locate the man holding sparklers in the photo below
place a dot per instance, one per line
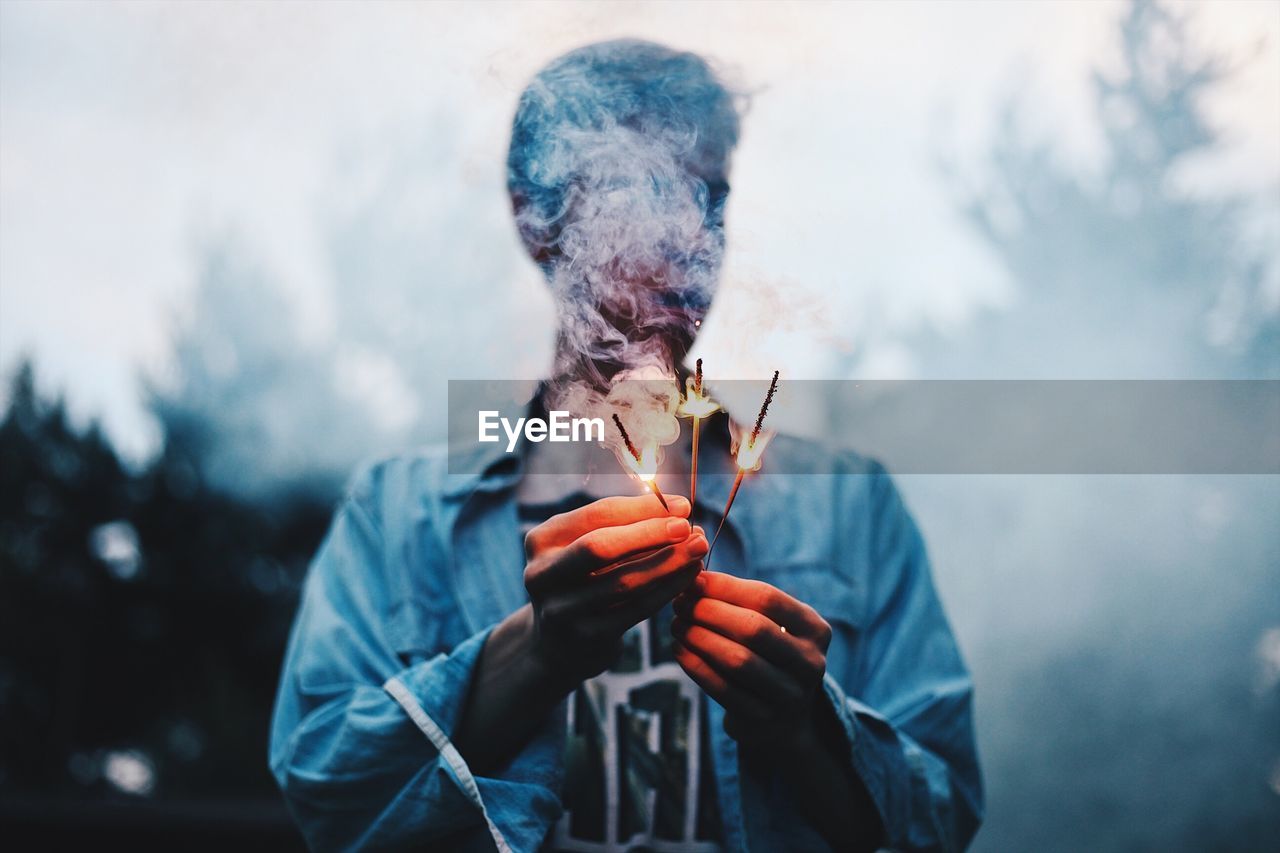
(598, 690)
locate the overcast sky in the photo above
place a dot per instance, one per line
(129, 131)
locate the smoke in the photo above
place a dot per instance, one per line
(1114, 625)
(617, 172)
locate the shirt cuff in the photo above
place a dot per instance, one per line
(518, 802)
(874, 751)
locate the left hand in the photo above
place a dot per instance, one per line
(758, 652)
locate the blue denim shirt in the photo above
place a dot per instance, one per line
(420, 564)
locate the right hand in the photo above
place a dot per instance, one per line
(594, 572)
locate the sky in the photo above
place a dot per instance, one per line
(132, 132)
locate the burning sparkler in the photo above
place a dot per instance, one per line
(696, 405)
(646, 464)
(748, 458)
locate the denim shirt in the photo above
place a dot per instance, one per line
(420, 564)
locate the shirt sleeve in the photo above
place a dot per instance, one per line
(908, 717)
(360, 744)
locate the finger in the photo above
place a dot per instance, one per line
(755, 631)
(629, 579)
(597, 550)
(560, 530)
(733, 699)
(794, 615)
(690, 548)
(738, 665)
(633, 579)
(647, 603)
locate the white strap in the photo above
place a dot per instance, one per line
(452, 758)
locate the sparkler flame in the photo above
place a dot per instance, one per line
(749, 453)
(696, 404)
(643, 465)
(644, 468)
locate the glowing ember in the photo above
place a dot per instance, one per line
(626, 439)
(764, 410)
(696, 404)
(698, 407)
(749, 454)
(643, 465)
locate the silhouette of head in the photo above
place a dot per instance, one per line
(618, 173)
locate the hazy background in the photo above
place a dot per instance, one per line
(243, 246)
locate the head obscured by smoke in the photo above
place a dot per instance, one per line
(618, 173)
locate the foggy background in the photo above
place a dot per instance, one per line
(244, 246)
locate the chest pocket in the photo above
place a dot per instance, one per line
(424, 619)
(835, 598)
(418, 631)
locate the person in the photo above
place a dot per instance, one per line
(598, 690)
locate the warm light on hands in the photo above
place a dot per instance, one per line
(730, 640)
(594, 572)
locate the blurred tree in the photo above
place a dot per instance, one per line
(1124, 271)
(142, 620)
(248, 406)
(1128, 724)
(418, 297)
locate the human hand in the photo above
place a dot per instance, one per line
(594, 572)
(758, 652)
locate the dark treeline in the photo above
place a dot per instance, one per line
(142, 620)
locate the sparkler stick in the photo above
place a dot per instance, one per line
(733, 493)
(693, 467)
(650, 481)
(748, 458)
(696, 405)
